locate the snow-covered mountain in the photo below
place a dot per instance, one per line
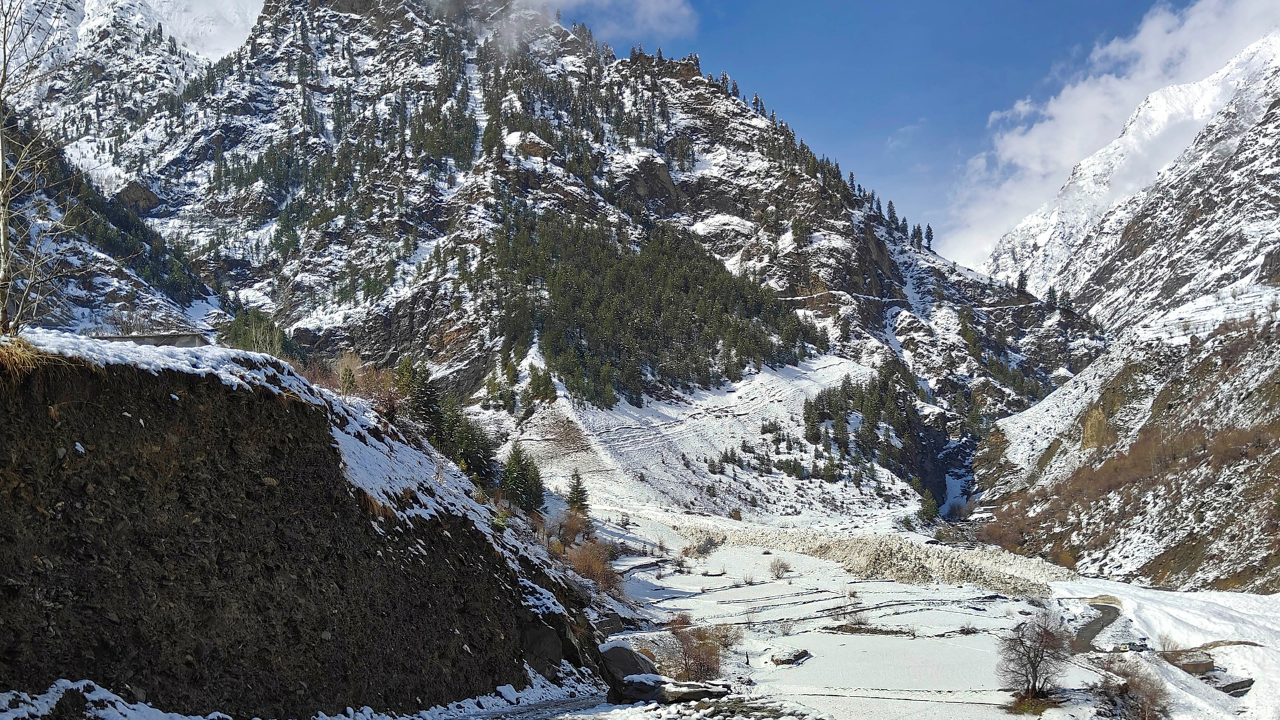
(1179, 206)
(1158, 462)
(397, 180)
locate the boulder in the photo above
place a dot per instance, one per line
(656, 688)
(1195, 662)
(138, 198)
(621, 661)
(790, 657)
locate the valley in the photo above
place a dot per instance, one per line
(433, 359)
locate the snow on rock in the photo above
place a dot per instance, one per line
(1122, 217)
(375, 458)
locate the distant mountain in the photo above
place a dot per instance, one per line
(1181, 205)
(1159, 462)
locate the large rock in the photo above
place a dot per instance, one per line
(632, 677)
(656, 688)
(790, 657)
(621, 661)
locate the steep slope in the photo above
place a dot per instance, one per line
(460, 182)
(85, 262)
(1157, 464)
(1198, 215)
(213, 533)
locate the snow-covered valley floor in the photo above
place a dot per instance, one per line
(929, 651)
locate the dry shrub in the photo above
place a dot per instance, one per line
(17, 358)
(372, 507)
(702, 548)
(779, 568)
(568, 526)
(1137, 692)
(687, 652)
(320, 375)
(591, 561)
(1144, 467)
(726, 636)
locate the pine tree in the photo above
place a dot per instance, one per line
(1022, 283)
(577, 497)
(928, 507)
(893, 215)
(522, 482)
(928, 236)
(347, 381)
(1052, 298)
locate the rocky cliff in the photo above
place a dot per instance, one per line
(207, 532)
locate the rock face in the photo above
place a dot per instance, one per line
(177, 540)
(1151, 464)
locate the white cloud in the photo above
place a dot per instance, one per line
(628, 19)
(1034, 145)
(904, 135)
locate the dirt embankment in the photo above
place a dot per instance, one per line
(198, 547)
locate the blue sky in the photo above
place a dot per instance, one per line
(903, 92)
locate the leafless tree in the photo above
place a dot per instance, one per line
(1034, 655)
(28, 231)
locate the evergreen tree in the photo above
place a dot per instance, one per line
(577, 497)
(928, 507)
(522, 482)
(424, 401)
(1052, 298)
(840, 433)
(928, 236)
(1022, 282)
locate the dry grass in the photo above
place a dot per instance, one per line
(591, 561)
(18, 358)
(372, 507)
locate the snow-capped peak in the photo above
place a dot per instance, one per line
(1109, 185)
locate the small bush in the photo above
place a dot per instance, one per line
(687, 652)
(591, 561)
(779, 568)
(1135, 691)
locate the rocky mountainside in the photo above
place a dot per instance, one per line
(1186, 195)
(1158, 462)
(212, 533)
(460, 182)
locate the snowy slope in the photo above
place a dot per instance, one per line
(1158, 462)
(206, 29)
(1117, 222)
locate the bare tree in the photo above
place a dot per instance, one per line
(1034, 655)
(28, 231)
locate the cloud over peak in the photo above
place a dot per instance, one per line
(1035, 144)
